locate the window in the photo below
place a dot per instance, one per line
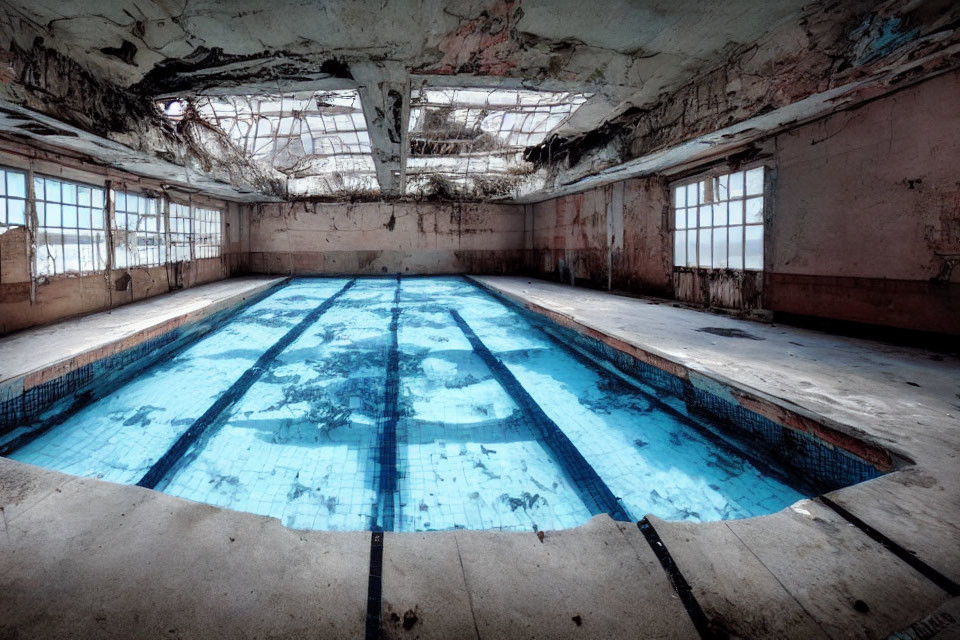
(206, 233)
(138, 232)
(13, 198)
(71, 233)
(181, 235)
(718, 222)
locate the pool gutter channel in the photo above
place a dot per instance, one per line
(386, 516)
(168, 460)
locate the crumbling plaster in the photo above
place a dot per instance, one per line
(661, 73)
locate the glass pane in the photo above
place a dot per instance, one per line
(679, 248)
(70, 215)
(754, 247)
(53, 215)
(71, 255)
(720, 214)
(720, 248)
(736, 212)
(69, 193)
(706, 245)
(736, 184)
(16, 185)
(121, 201)
(4, 176)
(755, 182)
(16, 212)
(723, 190)
(754, 208)
(97, 198)
(38, 188)
(691, 248)
(692, 197)
(53, 191)
(692, 218)
(83, 196)
(735, 250)
(679, 197)
(680, 219)
(706, 215)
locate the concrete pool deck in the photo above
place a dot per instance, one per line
(85, 558)
(34, 356)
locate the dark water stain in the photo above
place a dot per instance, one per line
(728, 333)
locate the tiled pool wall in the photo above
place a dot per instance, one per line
(25, 413)
(816, 463)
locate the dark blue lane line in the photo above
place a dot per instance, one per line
(226, 400)
(387, 441)
(385, 518)
(594, 492)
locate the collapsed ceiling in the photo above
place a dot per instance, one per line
(474, 99)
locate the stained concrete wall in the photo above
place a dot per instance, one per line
(863, 222)
(866, 213)
(385, 237)
(612, 237)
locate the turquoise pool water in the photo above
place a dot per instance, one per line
(409, 405)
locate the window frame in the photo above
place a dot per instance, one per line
(200, 232)
(174, 230)
(718, 175)
(5, 198)
(40, 223)
(159, 233)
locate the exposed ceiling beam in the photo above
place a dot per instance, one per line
(385, 96)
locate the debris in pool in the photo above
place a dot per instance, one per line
(486, 451)
(728, 333)
(640, 443)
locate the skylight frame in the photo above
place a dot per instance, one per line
(487, 131)
(318, 140)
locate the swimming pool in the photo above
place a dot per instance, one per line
(410, 404)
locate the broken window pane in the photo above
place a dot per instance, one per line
(317, 141)
(207, 235)
(470, 142)
(180, 232)
(138, 232)
(71, 235)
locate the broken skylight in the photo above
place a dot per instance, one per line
(470, 142)
(318, 141)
